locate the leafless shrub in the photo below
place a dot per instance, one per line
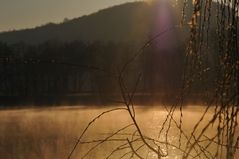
(224, 96)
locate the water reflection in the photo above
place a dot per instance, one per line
(51, 132)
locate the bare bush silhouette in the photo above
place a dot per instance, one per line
(219, 87)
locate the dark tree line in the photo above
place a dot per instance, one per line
(76, 68)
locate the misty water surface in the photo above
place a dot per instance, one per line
(47, 133)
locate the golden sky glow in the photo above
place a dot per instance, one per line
(18, 14)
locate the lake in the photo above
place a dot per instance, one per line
(47, 133)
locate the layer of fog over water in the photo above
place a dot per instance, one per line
(45, 133)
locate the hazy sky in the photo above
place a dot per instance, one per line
(18, 14)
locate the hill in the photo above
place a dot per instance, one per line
(113, 24)
(78, 56)
(128, 22)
